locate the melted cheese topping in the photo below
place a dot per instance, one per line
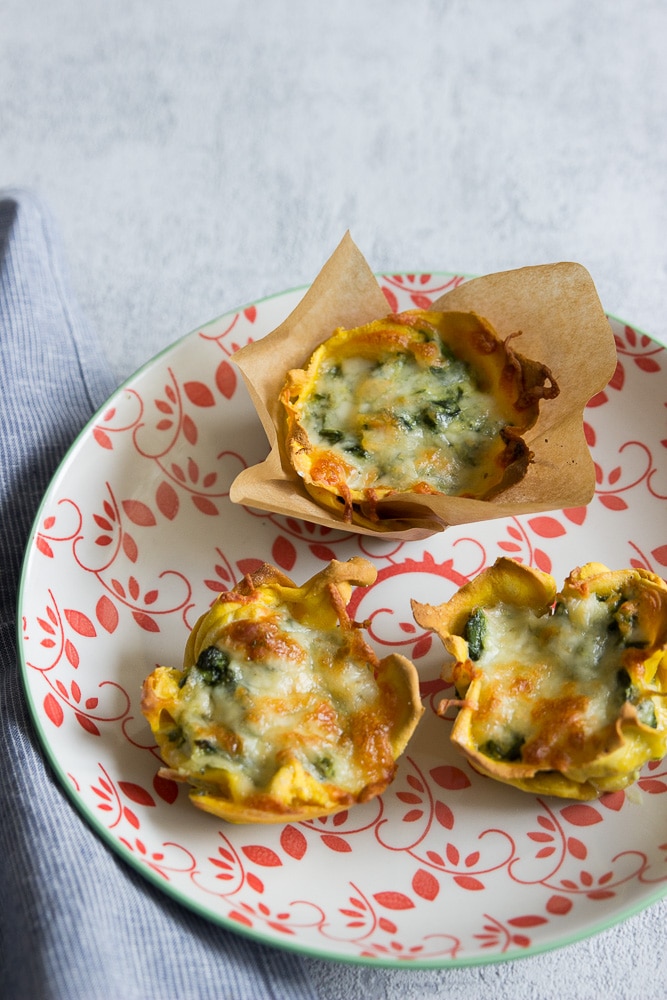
(282, 691)
(554, 685)
(399, 421)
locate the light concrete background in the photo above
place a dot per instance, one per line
(201, 155)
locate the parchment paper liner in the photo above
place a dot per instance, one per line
(562, 324)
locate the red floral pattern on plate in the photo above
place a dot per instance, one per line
(136, 536)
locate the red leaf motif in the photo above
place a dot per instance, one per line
(421, 301)
(530, 920)
(452, 853)
(166, 498)
(581, 815)
(546, 527)
(647, 364)
(145, 621)
(576, 514)
(576, 848)
(409, 798)
(130, 547)
(444, 815)
(136, 793)
(131, 818)
(414, 782)
(337, 844)
(261, 855)
(540, 838)
(469, 882)
(618, 378)
(597, 400)
(199, 394)
(660, 554)
(601, 894)
(53, 710)
(450, 777)
(72, 654)
(205, 505)
(222, 572)
(139, 513)
(393, 900)
(293, 842)
(102, 438)
(255, 883)
(107, 614)
(44, 547)
(87, 724)
(283, 552)
(425, 885)
(81, 623)
(190, 430)
(542, 560)
(547, 823)
(387, 926)
(422, 646)
(322, 552)
(225, 379)
(391, 299)
(279, 927)
(413, 815)
(613, 800)
(250, 313)
(248, 565)
(590, 435)
(612, 502)
(165, 788)
(559, 905)
(240, 918)
(652, 785)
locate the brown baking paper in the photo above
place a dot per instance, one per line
(562, 324)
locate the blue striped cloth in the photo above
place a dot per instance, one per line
(75, 921)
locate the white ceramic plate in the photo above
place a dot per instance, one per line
(134, 538)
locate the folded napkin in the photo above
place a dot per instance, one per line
(75, 920)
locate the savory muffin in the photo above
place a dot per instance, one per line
(416, 403)
(282, 711)
(559, 693)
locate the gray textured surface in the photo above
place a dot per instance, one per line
(199, 156)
